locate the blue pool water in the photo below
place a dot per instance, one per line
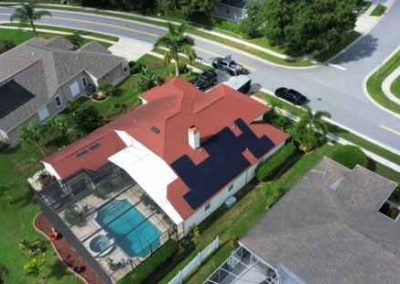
(131, 231)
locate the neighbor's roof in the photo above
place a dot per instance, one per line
(231, 142)
(328, 229)
(43, 66)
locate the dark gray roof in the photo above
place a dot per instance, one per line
(328, 229)
(43, 66)
(12, 95)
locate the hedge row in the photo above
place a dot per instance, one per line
(349, 156)
(151, 264)
(271, 167)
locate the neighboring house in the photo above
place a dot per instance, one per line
(40, 76)
(231, 10)
(328, 229)
(183, 150)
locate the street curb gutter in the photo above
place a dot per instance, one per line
(343, 141)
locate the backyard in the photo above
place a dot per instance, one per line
(16, 165)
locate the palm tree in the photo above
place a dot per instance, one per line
(315, 120)
(149, 79)
(311, 129)
(32, 133)
(36, 267)
(176, 42)
(27, 14)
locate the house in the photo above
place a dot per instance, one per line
(331, 228)
(231, 10)
(39, 77)
(170, 163)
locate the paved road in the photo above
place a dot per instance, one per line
(337, 90)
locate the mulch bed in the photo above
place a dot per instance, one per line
(68, 255)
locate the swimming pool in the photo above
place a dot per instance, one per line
(136, 235)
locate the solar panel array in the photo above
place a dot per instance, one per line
(12, 96)
(225, 162)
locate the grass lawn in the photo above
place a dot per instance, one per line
(334, 129)
(84, 33)
(130, 89)
(17, 214)
(237, 221)
(374, 83)
(395, 87)
(379, 10)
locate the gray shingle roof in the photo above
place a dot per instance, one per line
(43, 66)
(328, 229)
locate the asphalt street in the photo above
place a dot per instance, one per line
(337, 88)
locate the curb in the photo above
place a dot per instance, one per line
(366, 93)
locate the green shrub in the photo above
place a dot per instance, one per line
(270, 168)
(135, 67)
(151, 264)
(349, 156)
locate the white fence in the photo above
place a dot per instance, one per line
(196, 262)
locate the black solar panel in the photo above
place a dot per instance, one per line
(225, 162)
(12, 96)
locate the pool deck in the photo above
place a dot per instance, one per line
(91, 228)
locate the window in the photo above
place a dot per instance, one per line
(58, 101)
(75, 89)
(43, 113)
(230, 187)
(84, 81)
(207, 206)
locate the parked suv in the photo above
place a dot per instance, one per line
(206, 80)
(291, 95)
(229, 65)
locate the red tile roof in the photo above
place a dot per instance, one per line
(162, 124)
(89, 154)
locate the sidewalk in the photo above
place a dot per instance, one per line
(387, 83)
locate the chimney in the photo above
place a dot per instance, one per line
(194, 137)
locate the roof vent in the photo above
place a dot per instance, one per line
(94, 146)
(155, 130)
(82, 153)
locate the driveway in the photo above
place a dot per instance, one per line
(337, 89)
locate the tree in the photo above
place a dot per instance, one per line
(87, 118)
(306, 27)
(36, 267)
(311, 129)
(176, 42)
(27, 14)
(194, 10)
(149, 79)
(251, 25)
(60, 125)
(33, 133)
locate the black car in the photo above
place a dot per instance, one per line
(291, 95)
(229, 65)
(206, 80)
